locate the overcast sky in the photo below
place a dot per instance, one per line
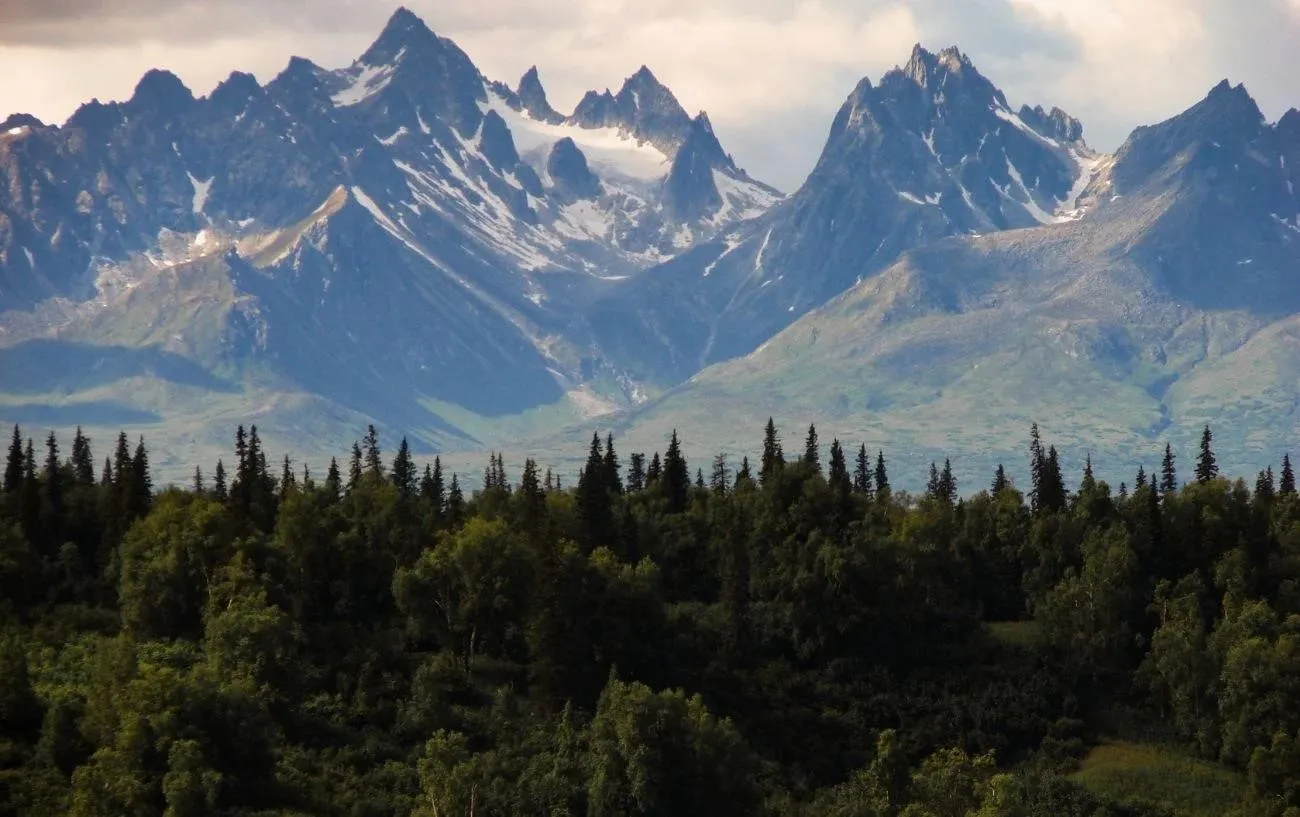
(771, 73)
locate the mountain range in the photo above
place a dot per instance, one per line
(408, 242)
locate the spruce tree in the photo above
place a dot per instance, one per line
(1037, 465)
(1168, 474)
(636, 473)
(1123, 491)
(932, 490)
(1000, 483)
(333, 481)
(1055, 482)
(676, 483)
(1286, 486)
(14, 465)
(1264, 488)
(403, 473)
(743, 476)
(947, 483)
(655, 472)
(83, 462)
(370, 446)
(1207, 468)
(455, 502)
(354, 468)
(882, 476)
(288, 481)
(613, 477)
(773, 459)
(1089, 482)
(720, 479)
(197, 485)
(699, 477)
(106, 476)
(142, 482)
(31, 494)
(219, 483)
(862, 473)
(838, 475)
(812, 456)
(595, 509)
(1140, 481)
(53, 491)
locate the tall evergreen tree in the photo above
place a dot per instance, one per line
(83, 462)
(594, 500)
(1168, 474)
(812, 455)
(141, 482)
(636, 476)
(743, 476)
(1000, 482)
(455, 502)
(197, 485)
(14, 465)
(655, 472)
(1264, 487)
(219, 492)
(932, 489)
(354, 468)
(699, 477)
(1089, 482)
(54, 490)
(862, 472)
(676, 483)
(838, 475)
(106, 476)
(403, 473)
(31, 494)
(370, 447)
(432, 488)
(333, 481)
(613, 476)
(1140, 481)
(947, 483)
(1287, 484)
(773, 459)
(1037, 464)
(288, 480)
(720, 479)
(882, 476)
(1207, 468)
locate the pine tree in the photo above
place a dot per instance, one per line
(142, 482)
(1264, 488)
(773, 459)
(1286, 486)
(1000, 483)
(370, 445)
(288, 482)
(1037, 465)
(720, 479)
(676, 483)
(932, 490)
(743, 476)
(862, 473)
(106, 476)
(308, 484)
(432, 489)
(699, 477)
(240, 497)
(53, 491)
(83, 462)
(1168, 475)
(838, 475)
(354, 468)
(1123, 491)
(333, 481)
(812, 456)
(219, 483)
(403, 474)
(532, 497)
(636, 473)
(594, 499)
(197, 485)
(882, 476)
(14, 465)
(1140, 481)
(1055, 481)
(1207, 468)
(947, 483)
(455, 502)
(655, 472)
(613, 478)
(30, 493)
(1089, 482)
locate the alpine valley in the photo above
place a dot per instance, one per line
(409, 243)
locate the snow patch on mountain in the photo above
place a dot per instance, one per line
(606, 149)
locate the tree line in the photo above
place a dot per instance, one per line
(791, 637)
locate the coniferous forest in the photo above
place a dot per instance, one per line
(784, 637)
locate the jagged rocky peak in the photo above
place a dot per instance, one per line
(1054, 124)
(643, 108)
(403, 32)
(532, 98)
(20, 120)
(924, 67)
(569, 172)
(161, 91)
(1288, 127)
(238, 87)
(496, 143)
(692, 191)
